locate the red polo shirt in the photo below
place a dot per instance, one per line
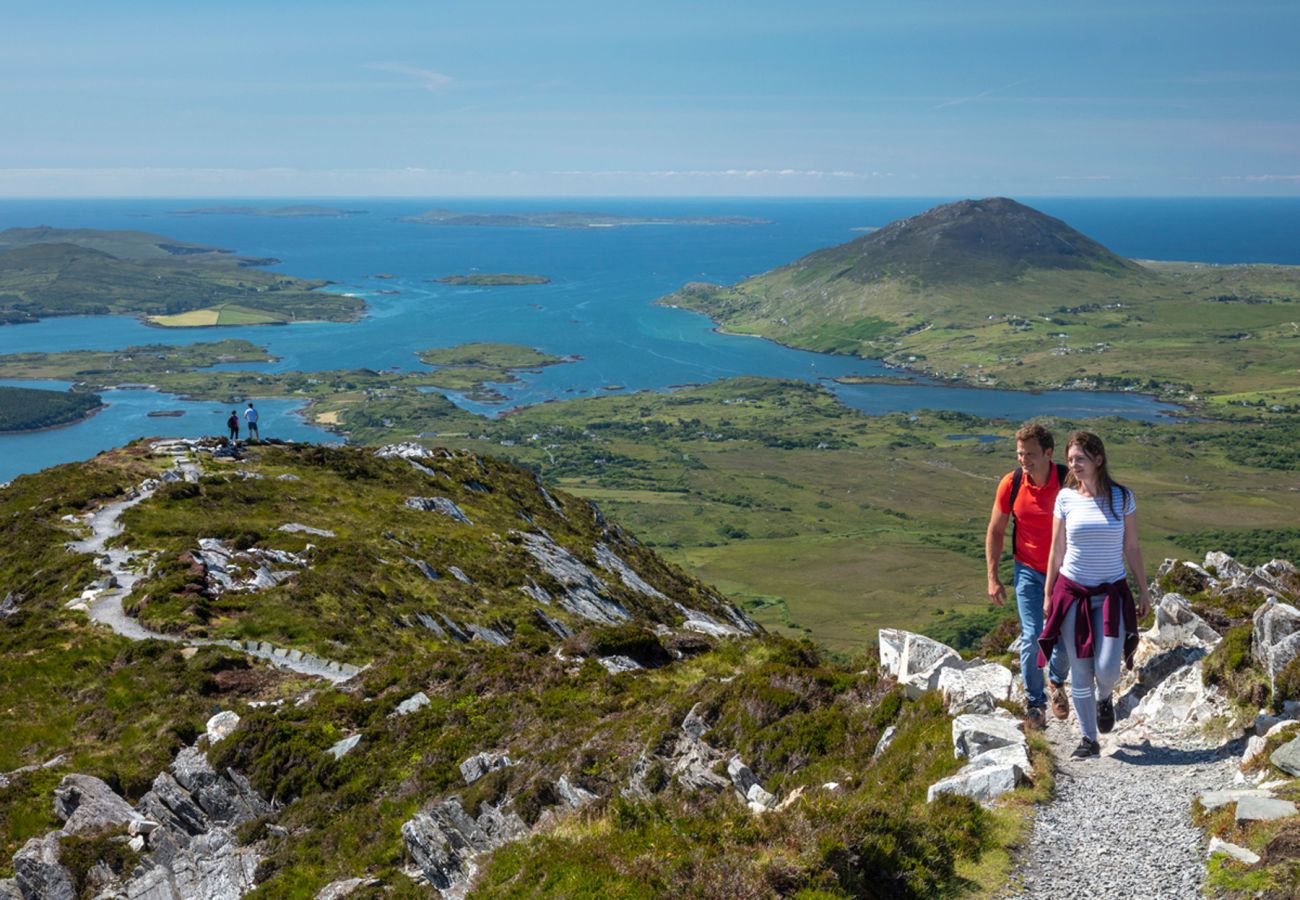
(1033, 515)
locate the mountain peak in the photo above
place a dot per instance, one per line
(994, 239)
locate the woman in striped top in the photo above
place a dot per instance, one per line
(1090, 605)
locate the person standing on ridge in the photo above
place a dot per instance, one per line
(1025, 497)
(1090, 609)
(250, 416)
(233, 424)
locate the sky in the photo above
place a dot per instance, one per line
(704, 98)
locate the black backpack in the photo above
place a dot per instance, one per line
(1016, 477)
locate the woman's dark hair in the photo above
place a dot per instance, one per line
(1090, 444)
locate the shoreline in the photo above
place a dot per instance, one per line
(944, 381)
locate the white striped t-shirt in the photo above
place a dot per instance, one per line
(1094, 539)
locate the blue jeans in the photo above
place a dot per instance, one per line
(1028, 584)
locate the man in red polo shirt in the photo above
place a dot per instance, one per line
(1033, 488)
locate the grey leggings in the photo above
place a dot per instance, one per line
(1102, 670)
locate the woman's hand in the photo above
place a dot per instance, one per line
(1144, 604)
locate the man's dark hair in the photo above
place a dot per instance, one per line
(1036, 432)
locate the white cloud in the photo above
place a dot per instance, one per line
(1264, 179)
(425, 78)
(718, 173)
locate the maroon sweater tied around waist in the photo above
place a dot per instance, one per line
(1066, 593)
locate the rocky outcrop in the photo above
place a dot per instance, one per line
(87, 805)
(1275, 637)
(184, 828)
(441, 505)
(584, 593)
(224, 568)
(443, 841)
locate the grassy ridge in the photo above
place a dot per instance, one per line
(121, 710)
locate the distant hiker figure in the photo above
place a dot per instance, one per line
(1090, 607)
(250, 416)
(1025, 497)
(233, 424)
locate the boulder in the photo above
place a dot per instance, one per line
(415, 702)
(960, 685)
(38, 872)
(987, 776)
(1182, 703)
(741, 776)
(1256, 809)
(915, 660)
(1275, 637)
(982, 704)
(86, 805)
(1176, 623)
(480, 764)
(1241, 854)
(1210, 800)
(973, 734)
(1254, 747)
(1287, 757)
(343, 747)
(221, 725)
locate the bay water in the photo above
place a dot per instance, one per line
(598, 306)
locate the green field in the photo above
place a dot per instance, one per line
(883, 523)
(225, 314)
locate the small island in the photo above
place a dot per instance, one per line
(568, 219)
(33, 409)
(307, 210)
(502, 279)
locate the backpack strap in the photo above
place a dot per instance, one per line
(1016, 477)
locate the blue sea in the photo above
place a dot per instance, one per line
(598, 306)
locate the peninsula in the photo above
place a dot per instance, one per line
(32, 409)
(992, 292)
(304, 210)
(567, 219)
(48, 272)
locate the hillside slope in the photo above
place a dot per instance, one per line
(496, 656)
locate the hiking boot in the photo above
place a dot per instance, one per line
(1036, 717)
(1060, 702)
(1105, 716)
(1086, 749)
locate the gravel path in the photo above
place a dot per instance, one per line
(1120, 825)
(119, 565)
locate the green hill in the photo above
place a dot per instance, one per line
(994, 292)
(58, 272)
(492, 620)
(969, 241)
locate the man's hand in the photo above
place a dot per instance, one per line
(997, 592)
